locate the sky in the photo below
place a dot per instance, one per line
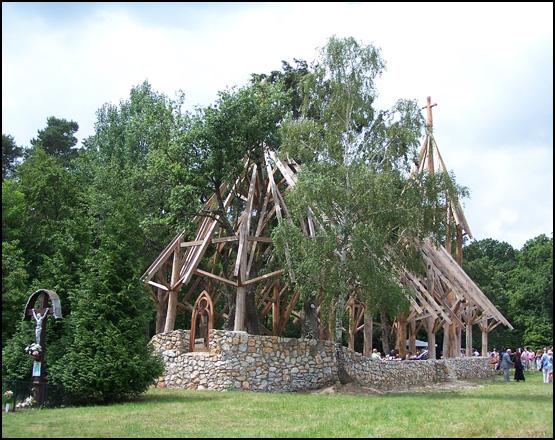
(488, 66)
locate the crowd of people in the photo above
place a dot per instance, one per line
(522, 360)
(394, 355)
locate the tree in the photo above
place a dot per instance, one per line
(16, 363)
(354, 177)
(290, 80)
(13, 210)
(14, 288)
(520, 284)
(58, 139)
(220, 138)
(531, 292)
(53, 225)
(10, 154)
(107, 358)
(488, 263)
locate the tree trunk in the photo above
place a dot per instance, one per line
(368, 327)
(339, 312)
(402, 335)
(446, 346)
(252, 320)
(385, 333)
(309, 323)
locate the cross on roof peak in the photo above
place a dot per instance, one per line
(429, 106)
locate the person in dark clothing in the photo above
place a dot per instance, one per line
(519, 367)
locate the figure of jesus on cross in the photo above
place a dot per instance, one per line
(38, 329)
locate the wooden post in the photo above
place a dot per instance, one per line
(484, 328)
(368, 330)
(240, 306)
(161, 309)
(172, 298)
(458, 340)
(469, 338)
(429, 124)
(448, 231)
(430, 327)
(430, 156)
(412, 336)
(446, 346)
(241, 263)
(453, 344)
(458, 249)
(429, 105)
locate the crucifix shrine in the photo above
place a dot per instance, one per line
(39, 314)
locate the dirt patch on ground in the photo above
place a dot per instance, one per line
(353, 388)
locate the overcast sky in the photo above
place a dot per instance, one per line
(489, 67)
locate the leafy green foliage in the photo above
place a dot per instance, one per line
(10, 154)
(14, 287)
(355, 160)
(58, 139)
(16, 363)
(13, 209)
(236, 127)
(520, 284)
(107, 358)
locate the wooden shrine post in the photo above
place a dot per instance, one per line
(40, 315)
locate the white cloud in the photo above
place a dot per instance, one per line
(511, 191)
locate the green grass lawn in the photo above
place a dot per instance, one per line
(494, 409)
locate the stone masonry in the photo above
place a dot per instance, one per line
(237, 360)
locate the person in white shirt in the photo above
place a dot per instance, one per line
(375, 355)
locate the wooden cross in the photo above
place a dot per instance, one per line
(42, 296)
(429, 106)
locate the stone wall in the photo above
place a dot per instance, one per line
(176, 341)
(237, 360)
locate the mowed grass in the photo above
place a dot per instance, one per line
(494, 409)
